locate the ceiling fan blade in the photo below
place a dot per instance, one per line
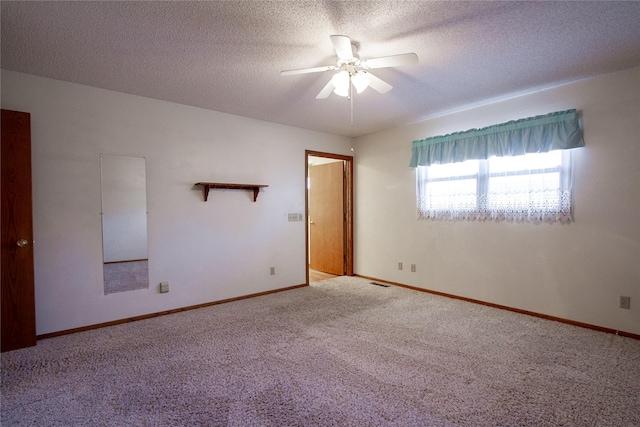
(391, 61)
(342, 45)
(377, 83)
(308, 70)
(326, 91)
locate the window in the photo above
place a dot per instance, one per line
(515, 171)
(532, 187)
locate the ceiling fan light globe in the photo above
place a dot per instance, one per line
(341, 91)
(360, 82)
(340, 83)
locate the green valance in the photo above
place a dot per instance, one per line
(539, 134)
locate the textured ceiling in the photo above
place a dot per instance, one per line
(227, 55)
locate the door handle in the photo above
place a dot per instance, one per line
(22, 243)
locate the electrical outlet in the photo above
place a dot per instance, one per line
(272, 271)
(625, 302)
(164, 287)
(399, 266)
(413, 268)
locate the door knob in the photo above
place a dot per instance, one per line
(22, 243)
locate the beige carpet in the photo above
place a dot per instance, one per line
(126, 276)
(342, 352)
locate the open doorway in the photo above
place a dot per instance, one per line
(329, 212)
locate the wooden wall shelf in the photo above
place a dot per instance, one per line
(208, 185)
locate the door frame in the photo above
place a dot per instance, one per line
(347, 207)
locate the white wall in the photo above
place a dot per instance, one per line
(575, 271)
(206, 251)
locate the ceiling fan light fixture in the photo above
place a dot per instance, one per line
(341, 91)
(343, 79)
(340, 83)
(360, 82)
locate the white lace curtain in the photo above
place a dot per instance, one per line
(531, 188)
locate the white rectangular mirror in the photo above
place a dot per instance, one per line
(124, 223)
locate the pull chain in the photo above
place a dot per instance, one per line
(351, 103)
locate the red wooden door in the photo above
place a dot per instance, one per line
(18, 299)
(326, 214)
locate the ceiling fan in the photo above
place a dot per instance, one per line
(353, 71)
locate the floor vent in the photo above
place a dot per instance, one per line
(379, 284)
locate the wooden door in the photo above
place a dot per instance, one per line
(326, 217)
(18, 299)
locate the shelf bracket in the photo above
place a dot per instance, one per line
(205, 190)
